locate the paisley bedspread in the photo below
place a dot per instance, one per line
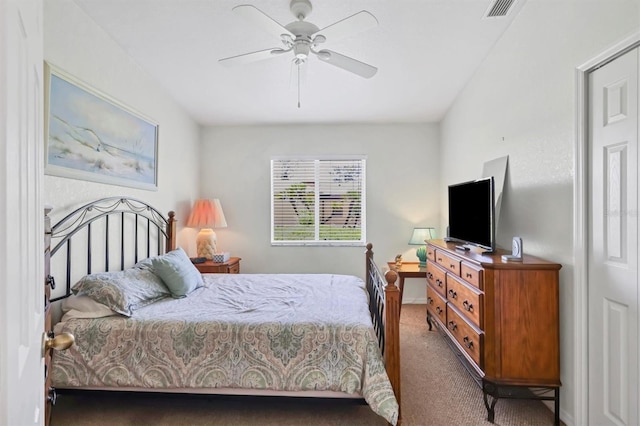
(250, 331)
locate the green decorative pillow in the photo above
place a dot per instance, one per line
(122, 291)
(177, 272)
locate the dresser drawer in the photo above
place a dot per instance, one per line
(471, 274)
(450, 263)
(437, 278)
(467, 299)
(235, 268)
(436, 304)
(465, 334)
(431, 253)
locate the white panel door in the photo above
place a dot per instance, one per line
(613, 243)
(21, 213)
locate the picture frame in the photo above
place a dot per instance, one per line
(93, 137)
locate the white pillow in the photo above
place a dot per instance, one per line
(83, 307)
(123, 291)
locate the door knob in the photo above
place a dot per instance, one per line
(60, 342)
(52, 396)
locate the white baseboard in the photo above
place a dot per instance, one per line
(414, 301)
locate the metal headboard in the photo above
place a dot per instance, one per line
(127, 227)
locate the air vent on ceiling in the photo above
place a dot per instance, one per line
(499, 8)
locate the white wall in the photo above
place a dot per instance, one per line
(402, 183)
(521, 103)
(75, 44)
(235, 162)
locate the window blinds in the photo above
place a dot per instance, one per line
(318, 201)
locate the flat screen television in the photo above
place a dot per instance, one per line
(472, 214)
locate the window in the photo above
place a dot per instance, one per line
(318, 201)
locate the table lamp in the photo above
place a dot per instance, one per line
(206, 215)
(418, 238)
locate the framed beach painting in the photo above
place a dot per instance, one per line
(90, 136)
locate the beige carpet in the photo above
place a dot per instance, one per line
(436, 390)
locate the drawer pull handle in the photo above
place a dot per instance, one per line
(453, 294)
(452, 265)
(453, 326)
(439, 259)
(467, 342)
(429, 275)
(469, 275)
(467, 306)
(439, 282)
(439, 310)
(429, 300)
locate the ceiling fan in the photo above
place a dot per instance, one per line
(304, 38)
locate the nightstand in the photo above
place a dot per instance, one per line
(407, 270)
(231, 266)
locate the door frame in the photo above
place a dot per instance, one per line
(581, 222)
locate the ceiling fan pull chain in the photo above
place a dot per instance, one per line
(298, 85)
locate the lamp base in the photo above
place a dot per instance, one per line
(421, 252)
(206, 243)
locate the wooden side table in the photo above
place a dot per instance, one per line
(407, 270)
(231, 266)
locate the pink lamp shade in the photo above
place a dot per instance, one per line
(207, 214)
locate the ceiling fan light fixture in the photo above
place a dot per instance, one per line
(301, 49)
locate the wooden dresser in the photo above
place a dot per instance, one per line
(501, 318)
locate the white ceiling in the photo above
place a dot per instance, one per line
(425, 51)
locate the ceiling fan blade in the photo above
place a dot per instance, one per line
(247, 58)
(261, 19)
(347, 63)
(353, 24)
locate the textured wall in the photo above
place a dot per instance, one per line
(75, 44)
(521, 103)
(402, 183)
